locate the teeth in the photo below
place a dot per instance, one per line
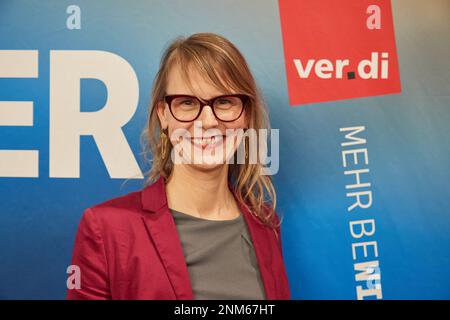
(205, 141)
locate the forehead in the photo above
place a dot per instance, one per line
(201, 86)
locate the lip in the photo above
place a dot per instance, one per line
(219, 142)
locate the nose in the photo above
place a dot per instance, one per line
(208, 118)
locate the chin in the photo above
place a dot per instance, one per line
(207, 166)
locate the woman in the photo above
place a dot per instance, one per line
(198, 229)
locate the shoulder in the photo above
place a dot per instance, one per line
(115, 212)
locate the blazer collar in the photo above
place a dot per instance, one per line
(161, 227)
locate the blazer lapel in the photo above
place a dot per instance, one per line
(161, 227)
(263, 250)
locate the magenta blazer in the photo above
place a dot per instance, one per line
(128, 248)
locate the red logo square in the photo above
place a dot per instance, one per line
(336, 49)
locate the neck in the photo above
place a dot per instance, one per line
(200, 193)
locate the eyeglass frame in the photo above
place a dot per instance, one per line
(243, 97)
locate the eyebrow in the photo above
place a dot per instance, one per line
(194, 95)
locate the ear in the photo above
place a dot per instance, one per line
(161, 110)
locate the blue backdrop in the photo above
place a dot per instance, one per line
(407, 141)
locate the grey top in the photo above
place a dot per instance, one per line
(220, 258)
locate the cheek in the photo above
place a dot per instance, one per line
(177, 128)
(240, 123)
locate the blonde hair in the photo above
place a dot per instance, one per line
(219, 61)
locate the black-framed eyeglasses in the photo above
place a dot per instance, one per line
(226, 108)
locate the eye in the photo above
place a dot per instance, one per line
(187, 102)
(224, 101)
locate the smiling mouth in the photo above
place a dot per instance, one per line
(210, 142)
